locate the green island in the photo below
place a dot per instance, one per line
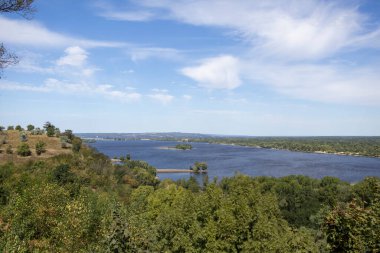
(62, 196)
(183, 146)
(355, 146)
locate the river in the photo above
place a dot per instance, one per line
(226, 160)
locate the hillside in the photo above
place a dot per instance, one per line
(12, 138)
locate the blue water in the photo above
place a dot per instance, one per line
(226, 160)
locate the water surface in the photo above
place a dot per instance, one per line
(226, 160)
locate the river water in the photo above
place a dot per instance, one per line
(226, 160)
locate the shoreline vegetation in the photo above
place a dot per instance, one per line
(347, 146)
(48, 203)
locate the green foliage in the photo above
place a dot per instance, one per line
(40, 147)
(23, 136)
(2, 128)
(69, 134)
(10, 128)
(24, 150)
(50, 129)
(364, 146)
(62, 175)
(183, 146)
(199, 167)
(30, 127)
(19, 128)
(76, 144)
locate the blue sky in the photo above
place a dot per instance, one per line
(217, 66)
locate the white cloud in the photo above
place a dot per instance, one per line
(330, 83)
(187, 97)
(127, 15)
(292, 29)
(75, 56)
(80, 88)
(32, 33)
(161, 96)
(220, 72)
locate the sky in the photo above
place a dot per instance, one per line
(260, 68)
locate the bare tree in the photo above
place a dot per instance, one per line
(25, 9)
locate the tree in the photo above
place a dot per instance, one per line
(77, 144)
(40, 147)
(1, 128)
(18, 128)
(23, 7)
(30, 127)
(24, 150)
(10, 128)
(69, 134)
(50, 129)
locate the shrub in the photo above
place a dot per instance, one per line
(1, 128)
(23, 137)
(10, 128)
(76, 144)
(24, 150)
(40, 147)
(30, 127)
(9, 150)
(19, 128)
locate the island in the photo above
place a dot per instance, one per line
(183, 146)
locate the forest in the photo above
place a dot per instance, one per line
(360, 146)
(81, 202)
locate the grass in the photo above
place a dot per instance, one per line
(12, 137)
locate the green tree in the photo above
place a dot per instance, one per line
(2, 128)
(24, 150)
(40, 147)
(10, 128)
(30, 127)
(19, 128)
(76, 144)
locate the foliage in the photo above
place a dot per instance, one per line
(50, 129)
(80, 202)
(40, 147)
(199, 167)
(76, 144)
(183, 146)
(23, 137)
(30, 127)
(2, 128)
(19, 128)
(364, 146)
(24, 150)
(10, 128)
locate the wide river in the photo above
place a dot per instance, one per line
(226, 160)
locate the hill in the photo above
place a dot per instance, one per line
(12, 138)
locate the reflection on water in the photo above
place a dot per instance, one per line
(226, 160)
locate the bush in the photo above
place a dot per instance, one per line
(23, 137)
(19, 128)
(30, 127)
(9, 150)
(10, 128)
(24, 150)
(40, 147)
(1, 128)
(76, 144)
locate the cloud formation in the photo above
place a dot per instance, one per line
(32, 33)
(220, 72)
(75, 56)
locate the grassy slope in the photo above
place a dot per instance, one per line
(53, 147)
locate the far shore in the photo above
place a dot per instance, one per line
(177, 171)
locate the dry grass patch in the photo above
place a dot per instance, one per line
(12, 137)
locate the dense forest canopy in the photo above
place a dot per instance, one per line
(81, 202)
